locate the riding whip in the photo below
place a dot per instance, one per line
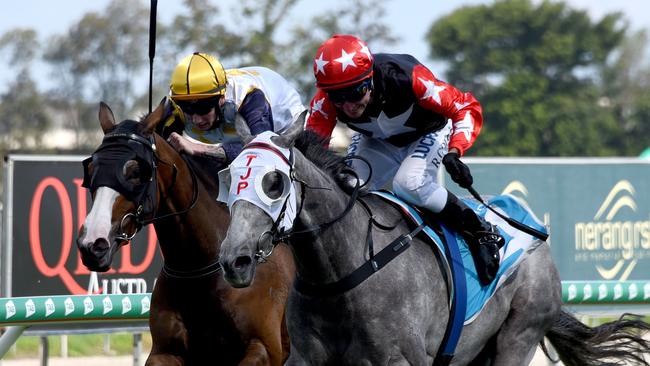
(152, 46)
(516, 224)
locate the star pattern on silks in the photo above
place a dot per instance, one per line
(318, 107)
(391, 126)
(460, 106)
(320, 64)
(433, 90)
(346, 60)
(465, 126)
(364, 49)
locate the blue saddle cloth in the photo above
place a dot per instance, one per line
(513, 252)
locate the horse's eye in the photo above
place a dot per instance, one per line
(136, 172)
(131, 172)
(273, 185)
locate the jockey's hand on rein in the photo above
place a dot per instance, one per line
(458, 171)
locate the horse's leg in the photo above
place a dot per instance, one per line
(534, 307)
(295, 359)
(270, 342)
(486, 356)
(169, 339)
(164, 360)
(256, 354)
(168, 332)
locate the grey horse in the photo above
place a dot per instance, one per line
(398, 315)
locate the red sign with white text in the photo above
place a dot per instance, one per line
(48, 208)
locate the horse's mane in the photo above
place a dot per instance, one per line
(206, 171)
(313, 147)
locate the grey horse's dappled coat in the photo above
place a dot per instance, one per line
(398, 315)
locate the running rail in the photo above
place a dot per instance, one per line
(19, 313)
(606, 292)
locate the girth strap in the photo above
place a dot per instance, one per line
(458, 302)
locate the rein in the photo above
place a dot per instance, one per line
(138, 215)
(195, 192)
(368, 268)
(317, 228)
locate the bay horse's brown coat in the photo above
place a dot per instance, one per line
(203, 320)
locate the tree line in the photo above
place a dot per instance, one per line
(552, 81)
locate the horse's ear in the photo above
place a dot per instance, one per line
(106, 117)
(287, 138)
(243, 130)
(153, 118)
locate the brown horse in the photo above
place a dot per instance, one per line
(136, 178)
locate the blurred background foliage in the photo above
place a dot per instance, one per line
(552, 81)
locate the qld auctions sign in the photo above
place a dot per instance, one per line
(598, 210)
(44, 207)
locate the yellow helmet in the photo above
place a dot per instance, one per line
(198, 76)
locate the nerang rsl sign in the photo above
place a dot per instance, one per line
(44, 207)
(598, 209)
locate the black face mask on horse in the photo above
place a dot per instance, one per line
(127, 168)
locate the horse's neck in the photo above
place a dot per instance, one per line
(191, 238)
(336, 251)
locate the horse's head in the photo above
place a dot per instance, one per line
(258, 188)
(121, 178)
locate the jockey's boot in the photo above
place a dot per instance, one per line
(483, 238)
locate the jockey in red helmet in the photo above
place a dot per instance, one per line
(408, 123)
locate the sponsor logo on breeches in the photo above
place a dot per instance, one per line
(424, 146)
(353, 147)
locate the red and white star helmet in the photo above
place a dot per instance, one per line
(342, 61)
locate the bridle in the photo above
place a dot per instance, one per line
(278, 234)
(375, 262)
(145, 151)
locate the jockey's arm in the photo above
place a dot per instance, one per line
(193, 147)
(463, 109)
(256, 111)
(322, 115)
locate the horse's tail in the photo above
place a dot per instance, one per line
(608, 344)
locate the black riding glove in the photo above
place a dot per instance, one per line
(458, 171)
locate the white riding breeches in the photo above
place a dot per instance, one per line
(413, 168)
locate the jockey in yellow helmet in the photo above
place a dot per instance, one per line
(204, 99)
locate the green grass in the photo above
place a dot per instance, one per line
(79, 345)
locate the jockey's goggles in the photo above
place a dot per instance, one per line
(350, 94)
(198, 106)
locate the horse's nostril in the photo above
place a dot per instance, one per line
(243, 261)
(100, 246)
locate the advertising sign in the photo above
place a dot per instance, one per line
(45, 206)
(598, 210)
